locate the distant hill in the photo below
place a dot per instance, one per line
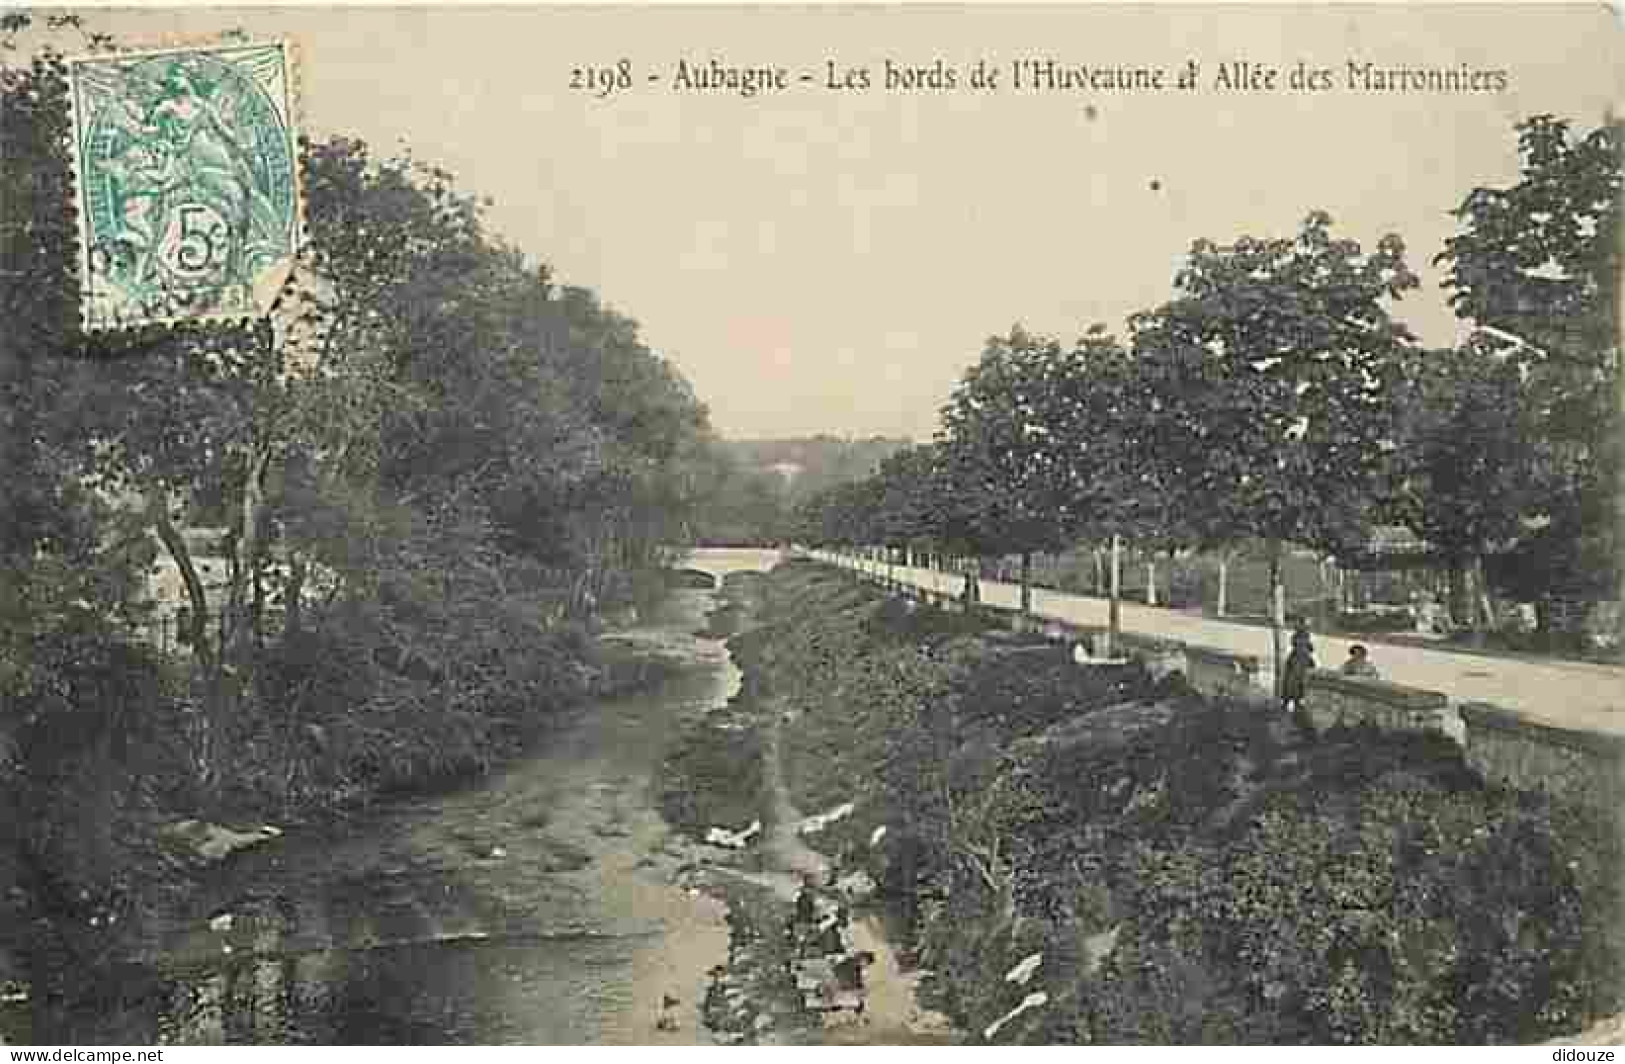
(811, 463)
(765, 480)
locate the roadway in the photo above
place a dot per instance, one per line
(1572, 694)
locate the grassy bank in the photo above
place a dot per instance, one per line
(1187, 870)
(713, 776)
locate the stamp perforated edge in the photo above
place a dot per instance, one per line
(293, 64)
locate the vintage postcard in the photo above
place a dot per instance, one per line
(776, 525)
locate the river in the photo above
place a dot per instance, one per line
(538, 906)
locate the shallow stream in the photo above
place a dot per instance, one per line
(536, 906)
(547, 903)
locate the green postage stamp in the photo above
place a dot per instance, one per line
(187, 168)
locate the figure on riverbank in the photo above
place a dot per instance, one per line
(666, 1019)
(1359, 663)
(849, 970)
(831, 935)
(1295, 674)
(806, 908)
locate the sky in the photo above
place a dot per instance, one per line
(830, 260)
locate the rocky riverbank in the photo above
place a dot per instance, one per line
(724, 783)
(1080, 854)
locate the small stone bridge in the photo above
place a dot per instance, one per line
(709, 565)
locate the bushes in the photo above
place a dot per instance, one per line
(1397, 913)
(1378, 895)
(355, 702)
(1374, 621)
(1253, 887)
(92, 748)
(713, 779)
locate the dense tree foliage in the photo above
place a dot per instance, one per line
(424, 474)
(1276, 400)
(757, 486)
(1472, 460)
(1535, 269)
(1017, 491)
(1274, 370)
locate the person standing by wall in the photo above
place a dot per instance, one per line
(1295, 673)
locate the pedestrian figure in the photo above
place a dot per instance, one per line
(1359, 663)
(1295, 674)
(714, 994)
(805, 908)
(666, 1019)
(849, 971)
(831, 938)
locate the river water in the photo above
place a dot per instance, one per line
(540, 906)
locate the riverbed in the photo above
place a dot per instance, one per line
(541, 904)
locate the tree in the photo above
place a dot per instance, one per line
(417, 375)
(840, 516)
(1469, 447)
(742, 505)
(1270, 380)
(1536, 268)
(424, 443)
(71, 684)
(1013, 486)
(1096, 415)
(911, 489)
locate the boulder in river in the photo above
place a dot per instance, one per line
(733, 840)
(1034, 1000)
(1023, 971)
(814, 824)
(211, 842)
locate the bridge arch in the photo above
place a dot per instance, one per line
(690, 579)
(718, 562)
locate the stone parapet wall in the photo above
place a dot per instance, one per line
(1064, 631)
(1221, 673)
(1502, 746)
(941, 600)
(1001, 615)
(1135, 644)
(1579, 766)
(1333, 700)
(1209, 670)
